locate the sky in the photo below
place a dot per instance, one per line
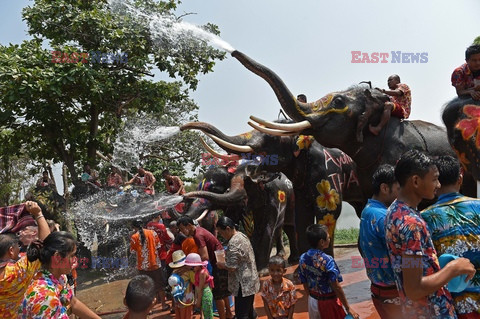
(309, 44)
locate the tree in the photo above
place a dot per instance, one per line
(68, 111)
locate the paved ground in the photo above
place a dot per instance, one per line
(107, 297)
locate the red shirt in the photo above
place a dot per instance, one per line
(165, 239)
(204, 238)
(462, 76)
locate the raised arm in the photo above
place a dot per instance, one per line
(36, 212)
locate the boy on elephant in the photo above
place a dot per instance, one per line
(399, 104)
(466, 78)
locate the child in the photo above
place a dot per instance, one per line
(183, 279)
(203, 284)
(140, 297)
(321, 278)
(278, 293)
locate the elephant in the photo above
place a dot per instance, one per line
(461, 117)
(321, 177)
(260, 201)
(340, 119)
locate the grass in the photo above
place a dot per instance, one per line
(346, 236)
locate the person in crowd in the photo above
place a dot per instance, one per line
(16, 273)
(466, 78)
(184, 278)
(139, 297)
(321, 278)
(372, 243)
(302, 98)
(179, 237)
(418, 276)
(453, 222)
(399, 104)
(114, 179)
(145, 179)
(52, 225)
(203, 284)
(173, 184)
(278, 293)
(49, 295)
(207, 243)
(243, 279)
(145, 243)
(45, 181)
(90, 175)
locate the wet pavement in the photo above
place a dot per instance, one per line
(107, 298)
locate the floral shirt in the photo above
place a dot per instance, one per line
(406, 233)
(463, 77)
(47, 297)
(147, 253)
(17, 277)
(318, 270)
(279, 302)
(403, 101)
(372, 243)
(454, 222)
(239, 255)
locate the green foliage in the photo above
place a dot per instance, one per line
(65, 112)
(346, 236)
(477, 40)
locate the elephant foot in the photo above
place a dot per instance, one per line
(293, 260)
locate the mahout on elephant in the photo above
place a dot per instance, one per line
(335, 119)
(259, 201)
(321, 177)
(461, 117)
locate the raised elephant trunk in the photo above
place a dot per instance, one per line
(295, 109)
(229, 199)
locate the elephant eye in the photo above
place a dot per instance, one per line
(338, 102)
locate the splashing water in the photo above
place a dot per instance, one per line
(168, 28)
(137, 139)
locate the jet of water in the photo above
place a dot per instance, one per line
(167, 27)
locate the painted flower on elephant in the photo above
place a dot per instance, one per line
(247, 135)
(463, 159)
(329, 221)
(471, 125)
(304, 141)
(328, 197)
(281, 196)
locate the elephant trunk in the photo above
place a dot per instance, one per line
(229, 199)
(295, 109)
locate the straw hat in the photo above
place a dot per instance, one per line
(178, 258)
(194, 259)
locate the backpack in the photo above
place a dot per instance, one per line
(179, 288)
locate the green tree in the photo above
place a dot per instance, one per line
(67, 112)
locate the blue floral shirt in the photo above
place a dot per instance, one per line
(317, 270)
(372, 243)
(406, 233)
(454, 222)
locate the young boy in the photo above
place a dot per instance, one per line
(321, 278)
(140, 297)
(417, 274)
(278, 293)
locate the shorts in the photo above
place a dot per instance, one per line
(158, 276)
(398, 111)
(220, 281)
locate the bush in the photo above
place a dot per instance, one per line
(346, 236)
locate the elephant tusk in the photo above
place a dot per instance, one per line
(271, 131)
(218, 155)
(202, 216)
(293, 127)
(234, 147)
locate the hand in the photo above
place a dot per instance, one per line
(353, 313)
(33, 208)
(462, 266)
(475, 95)
(379, 89)
(221, 265)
